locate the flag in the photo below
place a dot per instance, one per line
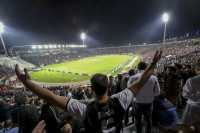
(197, 32)
(187, 35)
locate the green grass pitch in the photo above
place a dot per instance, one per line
(91, 65)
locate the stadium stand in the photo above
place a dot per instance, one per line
(184, 53)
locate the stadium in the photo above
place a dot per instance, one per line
(77, 67)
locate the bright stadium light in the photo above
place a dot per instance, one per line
(34, 47)
(165, 19)
(46, 46)
(83, 37)
(1, 31)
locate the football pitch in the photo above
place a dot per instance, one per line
(99, 64)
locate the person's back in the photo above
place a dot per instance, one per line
(164, 110)
(194, 96)
(143, 101)
(26, 115)
(191, 91)
(104, 117)
(5, 110)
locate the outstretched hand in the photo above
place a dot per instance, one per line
(22, 77)
(40, 127)
(157, 56)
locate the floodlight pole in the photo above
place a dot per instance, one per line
(6, 53)
(164, 32)
(83, 41)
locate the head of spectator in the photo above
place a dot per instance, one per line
(119, 77)
(131, 72)
(142, 66)
(111, 79)
(7, 100)
(21, 100)
(8, 123)
(178, 66)
(159, 75)
(99, 84)
(188, 67)
(2, 102)
(171, 70)
(162, 95)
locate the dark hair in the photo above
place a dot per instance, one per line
(142, 66)
(119, 77)
(162, 95)
(179, 66)
(2, 102)
(159, 75)
(99, 82)
(188, 66)
(172, 68)
(110, 77)
(21, 100)
(8, 123)
(131, 72)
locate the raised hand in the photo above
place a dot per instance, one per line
(40, 127)
(157, 56)
(22, 77)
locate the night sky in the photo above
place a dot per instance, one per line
(104, 21)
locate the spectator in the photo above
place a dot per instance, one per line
(191, 72)
(118, 85)
(103, 114)
(126, 115)
(184, 74)
(161, 81)
(6, 110)
(112, 86)
(50, 115)
(8, 127)
(191, 91)
(173, 85)
(143, 101)
(26, 115)
(164, 110)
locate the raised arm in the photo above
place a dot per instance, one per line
(138, 84)
(45, 94)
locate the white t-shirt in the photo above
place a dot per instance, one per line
(78, 109)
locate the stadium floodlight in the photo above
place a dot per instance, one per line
(165, 19)
(1, 31)
(83, 37)
(34, 47)
(40, 46)
(45, 46)
(55, 46)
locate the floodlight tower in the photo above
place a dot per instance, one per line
(83, 37)
(165, 19)
(1, 31)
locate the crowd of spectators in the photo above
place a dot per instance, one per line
(163, 100)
